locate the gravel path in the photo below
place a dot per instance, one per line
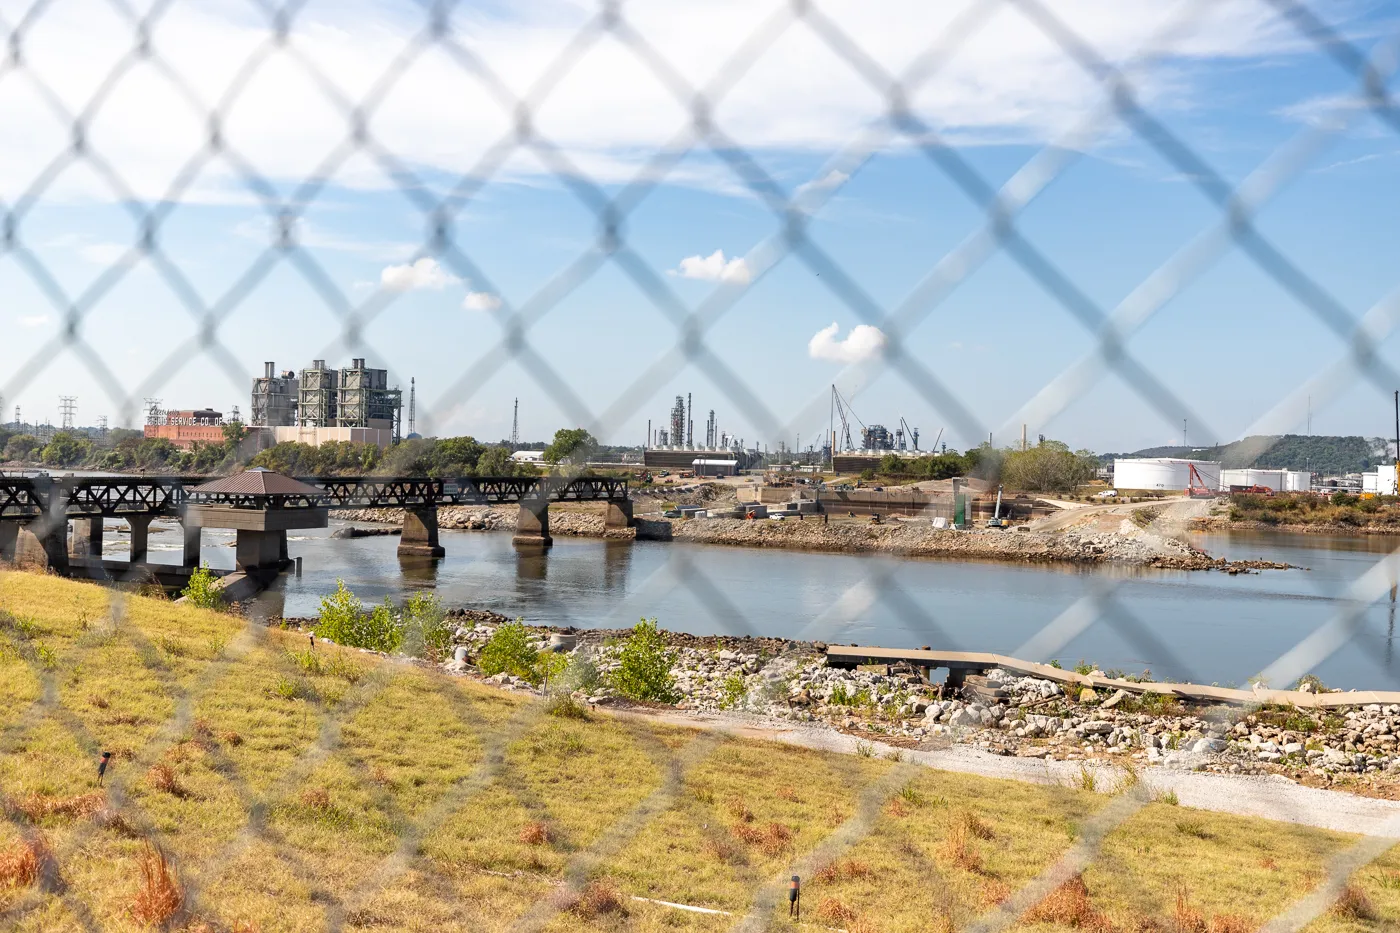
(1269, 796)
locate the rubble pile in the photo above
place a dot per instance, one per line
(999, 712)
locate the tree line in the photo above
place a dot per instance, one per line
(1049, 466)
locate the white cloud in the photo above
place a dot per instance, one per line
(425, 273)
(864, 342)
(33, 320)
(610, 114)
(832, 179)
(480, 301)
(714, 268)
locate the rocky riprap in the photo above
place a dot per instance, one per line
(1000, 713)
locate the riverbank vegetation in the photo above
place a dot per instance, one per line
(392, 796)
(1049, 466)
(1342, 510)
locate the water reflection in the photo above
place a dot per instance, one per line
(531, 563)
(419, 571)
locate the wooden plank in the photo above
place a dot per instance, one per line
(865, 654)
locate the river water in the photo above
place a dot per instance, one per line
(1206, 627)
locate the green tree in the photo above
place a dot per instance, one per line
(201, 591)
(66, 450)
(571, 445)
(234, 433)
(1048, 466)
(22, 447)
(496, 462)
(644, 665)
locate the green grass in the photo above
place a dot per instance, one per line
(341, 757)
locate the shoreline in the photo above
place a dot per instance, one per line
(905, 539)
(1010, 723)
(1217, 525)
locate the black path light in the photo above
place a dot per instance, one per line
(795, 898)
(102, 767)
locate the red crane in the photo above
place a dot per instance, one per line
(1197, 488)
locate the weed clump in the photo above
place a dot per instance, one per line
(162, 778)
(23, 863)
(39, 807)
(1353, 904)
(564, 706)
(842, 869)
(644, 665)
(598, 898)
(160, 896)
(772, 840)
(974, 825)
(535, 834)
(958, 848)
(1069, 905)
(833, 910)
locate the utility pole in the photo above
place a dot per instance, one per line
(1183, 432)
(515, 425)
(413, 405)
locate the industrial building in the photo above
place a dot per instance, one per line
(190, 426)
(674, 447)
(1380, 481)
(1276, 480)
(274, 398)
(1165, 473)
(353, 404)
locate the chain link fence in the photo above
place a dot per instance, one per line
(439, 29)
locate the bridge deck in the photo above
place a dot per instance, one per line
(26, 498)
(851, 655)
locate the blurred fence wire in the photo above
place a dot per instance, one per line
(610, 205)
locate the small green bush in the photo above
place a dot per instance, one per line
(200, 590)
(426, 631)
(732, 691)
(644, 670)
(564, 706)
(510, 651)
(344, 621)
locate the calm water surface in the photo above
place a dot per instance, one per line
(1206, 627)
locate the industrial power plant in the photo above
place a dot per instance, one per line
(353, 404)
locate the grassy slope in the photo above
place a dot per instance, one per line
(337, 768)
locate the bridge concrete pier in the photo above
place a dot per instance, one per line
(420, 533)
(140, 537)
(618, 514)
(191, 541)
(86, 540)
(9, 542)
(532, 525)
(261, 534)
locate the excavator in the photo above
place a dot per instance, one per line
(996, 521)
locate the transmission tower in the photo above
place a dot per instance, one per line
(19, 425)
(154, 413)
(67, 408)
(102, 426)
(515, 426)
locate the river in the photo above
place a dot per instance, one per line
(1202, 626)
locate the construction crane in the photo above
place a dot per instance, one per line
(841, 412)
(996, 520)
(911, 433)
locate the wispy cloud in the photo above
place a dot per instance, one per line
(864, 342)
(33, 320)
(714, 268)
(426, 273)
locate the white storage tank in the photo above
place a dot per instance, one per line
(1165, 473)
(1274, 479)
(1297, 480)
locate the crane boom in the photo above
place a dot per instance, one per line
(841, 413)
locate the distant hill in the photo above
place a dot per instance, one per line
(1321, 454)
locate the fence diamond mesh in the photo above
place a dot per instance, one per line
(253, 823)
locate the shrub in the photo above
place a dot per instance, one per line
(564, 706)
(510, 651)
(598, 898)
(344, 621)
(22, 863)
(644, 665)
(1069, 905)
(426, 632)
(162, 778)
(1353, 904)
(200, 590)
(535, 834)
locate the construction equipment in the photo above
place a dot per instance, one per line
(996, 520)
(841, 412)
(1196, 486)
(911, 433)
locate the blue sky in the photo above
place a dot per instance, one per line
(1235, 350)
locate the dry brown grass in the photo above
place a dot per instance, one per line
(862, 925)
(1230, 923)
(162, 778)
(1185, 918)
(380, 775)
(958, 848)
(772, 839)
(723, 850)
(598, 898)
(974, 825)
(787, 793)
(98, 701)
(1069, 905)
(22, 864)
(1353, 904)
(994, 891)
(842, 869)
(42, 806)
(316, 798)
(230, 738)
(896, 808)
(107, 818)
(535, 834)
(739, 810)
(160, 896)
(833, 910)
